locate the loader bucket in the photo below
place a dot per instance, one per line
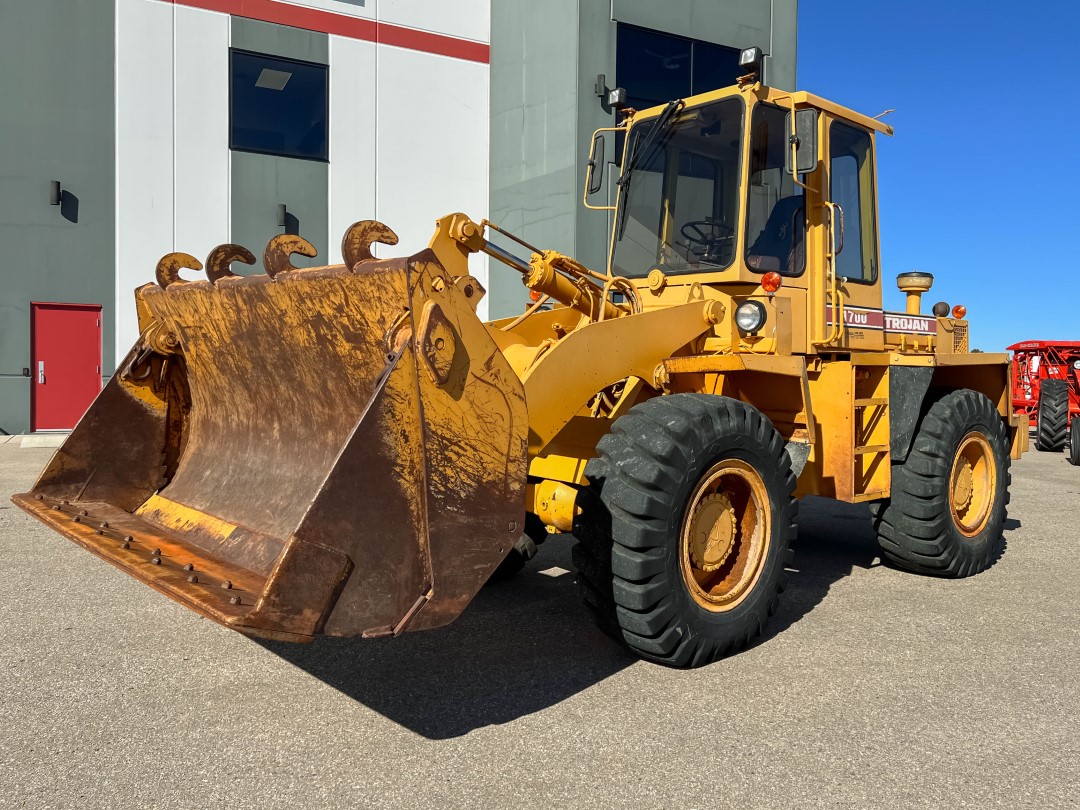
(337, 450)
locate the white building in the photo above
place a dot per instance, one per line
(178, 125)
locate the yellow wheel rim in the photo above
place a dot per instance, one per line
(725, 536)
(972, 484)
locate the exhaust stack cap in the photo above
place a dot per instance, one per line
(914, 283)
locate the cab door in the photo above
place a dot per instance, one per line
(851, 200)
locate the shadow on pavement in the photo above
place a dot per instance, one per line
(834, 539)
(529, 643)
(520, 647)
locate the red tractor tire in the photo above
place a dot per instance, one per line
(1052, 421)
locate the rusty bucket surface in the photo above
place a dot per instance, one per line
(327, 451)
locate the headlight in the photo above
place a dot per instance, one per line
(750, 316)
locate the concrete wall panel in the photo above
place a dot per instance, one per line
(145, 188)
(57, 124)
(201, 130)
(354, 8)
(468, 19)
(259, 184)
(352, 137)
(432, 118)
(534, 143)
(736, 23)
(280, 40)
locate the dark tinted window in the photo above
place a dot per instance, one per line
(851, 182)
(714, 67)
(655, 67)
(775, 212)
(278, 106)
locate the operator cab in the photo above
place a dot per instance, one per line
(707, 195)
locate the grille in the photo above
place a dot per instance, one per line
(960, 338)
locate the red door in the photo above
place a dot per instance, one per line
(65, 348)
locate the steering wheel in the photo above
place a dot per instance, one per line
(705, 232)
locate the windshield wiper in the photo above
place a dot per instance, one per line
(644, 147)
(663, 121)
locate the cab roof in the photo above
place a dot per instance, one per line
(801, 98)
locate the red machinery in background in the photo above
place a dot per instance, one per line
(1046, 387)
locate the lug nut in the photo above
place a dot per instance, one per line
(156, 552)
(104, 524)
(227, 584)
(155, 560)
(189, 567)
(193, 578)
(40, 497)
(83, 512)
(77, 519)
(235, 600)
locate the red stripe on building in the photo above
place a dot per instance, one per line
(433, 43)
(345, 25)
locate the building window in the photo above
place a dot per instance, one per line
(278, 106)
(656, 68)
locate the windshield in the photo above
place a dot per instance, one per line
(680, 207)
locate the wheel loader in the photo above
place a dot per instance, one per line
(350, 450)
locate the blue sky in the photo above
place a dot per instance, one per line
(977, 186)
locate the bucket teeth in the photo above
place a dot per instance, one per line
(358, 238)
(280, 248)
(170, 265)
(217, 263)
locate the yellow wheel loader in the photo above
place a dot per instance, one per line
(349, 450)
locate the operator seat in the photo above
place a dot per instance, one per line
(781, 245)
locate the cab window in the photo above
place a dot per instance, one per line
(776, 212)
(851, 184)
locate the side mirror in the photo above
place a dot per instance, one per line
(802, 142)
(594, 174)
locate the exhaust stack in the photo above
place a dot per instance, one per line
(914, 284)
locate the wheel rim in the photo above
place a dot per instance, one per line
(726, 536)
(973, 482)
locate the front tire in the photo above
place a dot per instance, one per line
(686, 527)
(950, 496)
(1052, 418)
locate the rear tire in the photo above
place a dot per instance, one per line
(950, 496)
(686, 527)
(1053, 416)
(1074, 441)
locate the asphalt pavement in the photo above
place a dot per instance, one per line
(872, 688)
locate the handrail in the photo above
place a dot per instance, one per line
(833, 293)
